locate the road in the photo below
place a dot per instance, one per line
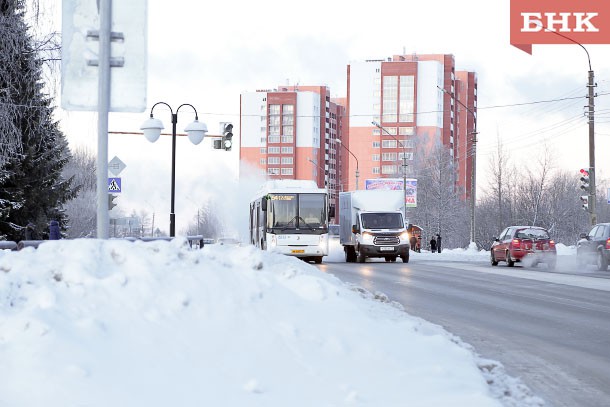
(550, 329)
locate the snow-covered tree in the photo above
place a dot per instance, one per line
(33, 150)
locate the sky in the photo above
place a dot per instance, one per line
(112, 322)
(207, 54)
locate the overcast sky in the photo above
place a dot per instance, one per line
(207, 54)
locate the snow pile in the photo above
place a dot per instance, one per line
(99, 323)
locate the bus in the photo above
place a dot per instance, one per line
(291, 217)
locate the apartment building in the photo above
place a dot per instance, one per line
(300, 132)
(289, 133)
(417, 100)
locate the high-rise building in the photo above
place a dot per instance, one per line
(419, 100)
(290, 133)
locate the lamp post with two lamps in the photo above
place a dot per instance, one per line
(473, 175)
(152, 130)
(404, 165)
(355, 158)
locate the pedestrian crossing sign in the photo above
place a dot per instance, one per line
(114, 185)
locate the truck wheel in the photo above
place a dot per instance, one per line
(405, 259)
(361, 257)
(393, 258)
(387, 258)
(350, 254)
(317, 260)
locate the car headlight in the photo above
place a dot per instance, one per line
(367, 237)
(404, 236)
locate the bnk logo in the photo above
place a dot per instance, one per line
(559, 22)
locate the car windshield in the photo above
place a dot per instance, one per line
(532, 233)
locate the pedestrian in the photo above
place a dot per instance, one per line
(54, 230)
(438, 242)
(30, 232)
(413, 242)
(418, 247)
(433, 245)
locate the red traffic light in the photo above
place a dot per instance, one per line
(584, 172)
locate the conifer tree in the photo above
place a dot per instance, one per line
(33, 150)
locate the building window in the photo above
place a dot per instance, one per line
(375, 157)
(409, 156)
(376, 170)
(388, 157)
(390, 99)
(406, 131)
(273, 139)
(288, 130)
(388, 169)
(287, 139)
(262, 161)
(263, 150)
(287, 161)
(287, 171)
(273, 160)
(287, 150)
(274, 130)
(273, 171)
(274, 110)
(407, 99)
(388, 144)
(273, 150)
(376, 144)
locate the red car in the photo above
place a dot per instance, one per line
(516, 243)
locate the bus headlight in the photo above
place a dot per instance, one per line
(273, 241)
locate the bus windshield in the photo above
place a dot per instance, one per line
(297, 211)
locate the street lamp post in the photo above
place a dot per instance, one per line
(356, 158)
(321, 169)
(473, 175)
(404, 165)
(152, 130)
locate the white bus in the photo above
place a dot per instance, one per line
(291, 217)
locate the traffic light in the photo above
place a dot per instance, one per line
(585, 180)
(585, 202)
(111, 203)
(227, 136)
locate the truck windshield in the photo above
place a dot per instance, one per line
(299, 211)
(382, 221)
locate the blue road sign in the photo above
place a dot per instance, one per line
(114, 185)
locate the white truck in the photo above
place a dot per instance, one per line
(372, 225)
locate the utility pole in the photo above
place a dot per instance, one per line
(591, 116)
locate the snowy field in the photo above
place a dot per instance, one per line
(116, 323)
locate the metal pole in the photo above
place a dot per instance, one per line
(592, 187)
(473, 180)
(105, 10)
(172, 214)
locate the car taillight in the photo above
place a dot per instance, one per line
(551, 244)
(516, 243)
(608, 244)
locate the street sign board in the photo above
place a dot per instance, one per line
(80, 48)
(114, 185)
(116, 166)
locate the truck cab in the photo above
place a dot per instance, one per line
(373, 225)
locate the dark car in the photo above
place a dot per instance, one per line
(516, 243)
(594, 247)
